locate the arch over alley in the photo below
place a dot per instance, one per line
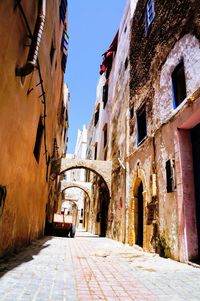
(86, 187)
(100, 168)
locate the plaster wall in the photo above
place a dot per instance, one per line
(23, 216)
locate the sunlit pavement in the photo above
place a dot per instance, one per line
(91, 268)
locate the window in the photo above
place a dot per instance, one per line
(126, 63)
(149, 15)
(105, 153)
(105, 134)
(170, 175)
(2, 198)
(52, 52)
(131, 112)
(141, 125)
(63, 10)
(65, 42)
(96, 116)
(105, 95)
(38, 140)
(63, 62)
(95, 151)
(178, 84)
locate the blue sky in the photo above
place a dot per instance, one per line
(92, 26)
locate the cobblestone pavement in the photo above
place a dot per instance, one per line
(89, 268)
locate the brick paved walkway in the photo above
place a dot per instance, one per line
(91, 268)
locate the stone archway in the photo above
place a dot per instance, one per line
(137, 210)
(101, 168)
(86, 188)
(74, 184)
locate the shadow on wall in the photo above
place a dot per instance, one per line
(13, 260)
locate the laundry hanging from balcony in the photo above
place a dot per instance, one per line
(108, 55)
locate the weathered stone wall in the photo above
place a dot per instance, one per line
(148, 53)
(119, 131)
(23, 217)
(174, 34)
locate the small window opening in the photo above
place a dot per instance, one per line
(105, 134)
(38, 140)
(96, 116)
(2, 198)
(52, 52)
(149, 15)
(141, 125)
(105, 153)
(126, 63)
(131, 112)
(95, 151)
(178, 84)
(170, 175)
(105, 95)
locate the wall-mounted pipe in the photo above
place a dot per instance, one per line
(35, 43)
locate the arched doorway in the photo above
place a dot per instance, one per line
(139, 218)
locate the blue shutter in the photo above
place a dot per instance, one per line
(65, 42)
(63, 10)
(149, 15)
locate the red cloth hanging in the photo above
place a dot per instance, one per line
(108, 55)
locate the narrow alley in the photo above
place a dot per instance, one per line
(100, 142)
(92, 268)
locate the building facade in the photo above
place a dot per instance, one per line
(108, 133)
(33, 116)
(146, 121)
(164, 95)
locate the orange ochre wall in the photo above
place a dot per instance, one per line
(23, 217)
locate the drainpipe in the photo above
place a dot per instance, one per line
(36, 40)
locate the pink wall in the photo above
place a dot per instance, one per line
(187, 231)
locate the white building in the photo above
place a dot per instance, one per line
(77, 175)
